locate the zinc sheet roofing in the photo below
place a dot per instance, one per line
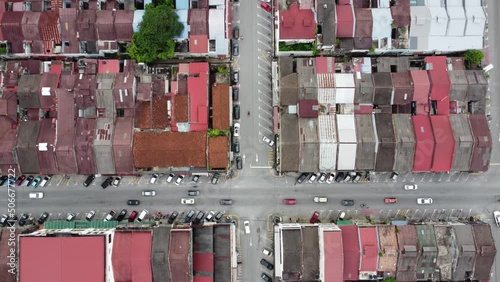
(344, 96)
(382, 23)
(159, 253)
(48, 84)
(476, 20)
(198, 96)
(457, 21)
(131, 256)
(426, 265)
(222, 239)
(459, 85)
(467, 251)
(386, 142)
(326, 16)
(383, 89)
(86, 23)
(46, 147)
(344, 80)
(403, 93)
(424, 150)
(346, 128)
(364, 22)
(369, 248)
(478, 85)
(65, 131)
(122, 145)
(351, 251)
(311, 253)
(26, 147)
(61, 259)
(440, 83)
(447, 251)
(445, 144)
(364, 88)
(334, 256)
(421, 86)
(365, 155)
(290, 146)
(482, 143)
(388, 248)
(84, 137)
(464, 142)
(179, 255)
(105, 26)
(7, 143)
(27, 91)
(345, 21)
(485, 245)
(103, 149)
(309, 144)
(408, 253)
(297, 23)
(123, 25)
(292, 250)
(405, 142)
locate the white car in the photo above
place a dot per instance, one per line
(210, 216)
(496, 215)
(236, 129)
(153, 179)
(267, 252)
(411, 187)
(36, 195)
(187, 201)
(330, 178)
(424, 201)
(149, 193)
(179, 179)
(267, 1)
(246, 224)
(322, 178)
(170, 177)
(268, 141)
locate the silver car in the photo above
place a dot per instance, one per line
(424, 201)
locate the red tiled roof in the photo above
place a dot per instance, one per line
(345, 21)
(369, 248)
(131, 257)
(325, 65)
(198, 96)
(108, 66)
(445, 144)
(334, 256)
(179, 255)
(198, 22)
(62, 259)
(220, 106)
(296, 23)
(351, 251)
(198, 44)
(424, 149)
(421, 89)
(440, 83)
(218, 152)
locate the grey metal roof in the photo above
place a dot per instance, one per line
(445, 240)
(27, 91)
(464, 142)
(459, 85)
(426, 265)
(289, 93)
(382, 88)
(466, 252)
(485, 245)
(289, 138)
(222, 247)
(478, 85)
(159, 254)
(405, 142)
(203, 243)
(326, 18)
(365, 154)
(26, 147)
(364, 89)
(387, 144)
(310, 251)
(408, 255)
(309, 144)
(393, 64)
(285, 66)
(103, 148)
(308, 82)
(292, 252)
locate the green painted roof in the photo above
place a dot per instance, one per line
(344, 222)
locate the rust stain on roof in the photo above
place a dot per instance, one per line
(217, 152)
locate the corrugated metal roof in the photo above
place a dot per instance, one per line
(401, 13)
(84, 138)
(104, 25)
(364, 88)
(297, 22)
(351, 252)
(405, 142)
(290, 147)
(131, 255)
(103, 148)
(198, 21)
(309, 144)
(369, 249)
(403, 88)
(408, 255)
(48, 84)
(478, 85)
(46, 147)
(65, 131)
(426, 265)
(364, 22)
(180, 261)
(459, 85)
(333, 256)
(365, 155)
(346, 129)
(440, 83)
(386, 142)
(424, 150)
(388, 248)
(382, 88)
(327, 17)
(198, 96)
(7, 143)
(345, 21)
(464, 142)
(27, 91)
(382, 23)
(476, 19)
(445, 144)
(482, 143)
(159, 249)
(122, 145)
(484, 241)
(86, 24)
(123, 25)
(466, 252)
(12, 30)
(344, 80)
(421, 90)
(222, 251)
(26, 147)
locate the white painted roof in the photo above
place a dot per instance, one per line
(346, 128)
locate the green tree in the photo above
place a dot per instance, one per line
(390, 279)
(154, 39)
(474, 56)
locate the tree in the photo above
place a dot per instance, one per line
(474, 56)
(390, 279)
(154, 39)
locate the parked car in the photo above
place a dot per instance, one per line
(4, 220)
(312, 178)
(302, 177)
(210, 216)
(10, 181)
(193, 192)
(110, 216)
(142, 215)
(236, 94)
(199, 217)
(356, 178)
(172, 217)
(43, 218)
(215, 178)
(314, 217)
(35, 182)
(268, 141)
(149, 193)
(236, 33)
(133, 202)
(179, 179)
(236, 147)
(340, 177)
(121, 215)
(226, 202)
(236, 76)
(330, 178)
(424, 201)
(195, 178)
(23, 219)
(347, 203)
(219, 215)
(341, 216)
(236, 112)
(87, 181)
(322, 178)
(265, 6)
(239, 163)
(318, 199)
(70, 217)
(496, 216)
(90, 215)
(267, 264)
(116, 181)
(289, 201)
(267, 252)
(189, 216)
(236, 49)
(246, 225)
(107, 182)
(266, 277)
(347, 178)
(4, 179)
(46, 180)
(388, 200)
(36, 195)
(20, 180)
(411, 187)
(154, 178)
(394, 176)
(187, 201)
(132, 216)
(236, 129)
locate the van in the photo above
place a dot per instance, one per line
(320, 199)
(142, 215)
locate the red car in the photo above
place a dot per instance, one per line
(132, 216)
(289, 202)
(390, 200)
(265, 6)
(314, 217)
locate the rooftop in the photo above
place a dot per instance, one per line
(386, 147)
(297, 23)
(334, 256)
(388, 248)
(405, 142)
(463, 142)
(220, 106)
(179, 258)
(424, 150)
(369, 248)
(351, 251)
(131, 256)
(218, 152)
(365, 155)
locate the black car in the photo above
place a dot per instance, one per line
(236, 112)
(226, 202)
(302, 177)
(215, 179)
(89, 180)
(43, 218)
(347, 203)
(193, 192)
(236, 94)
(3, 220)
(29, 180)
(236, 147)
(199, 217)
(189, 216)
(236, 33)
(266, 277)
(107, 182)
(23, 219)
(267, 264)
(133, 202)
(172, 217)
(218, 216)
(340, 177)
(236, 49)
(239, 163)
(121, 215)
(3, 179)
